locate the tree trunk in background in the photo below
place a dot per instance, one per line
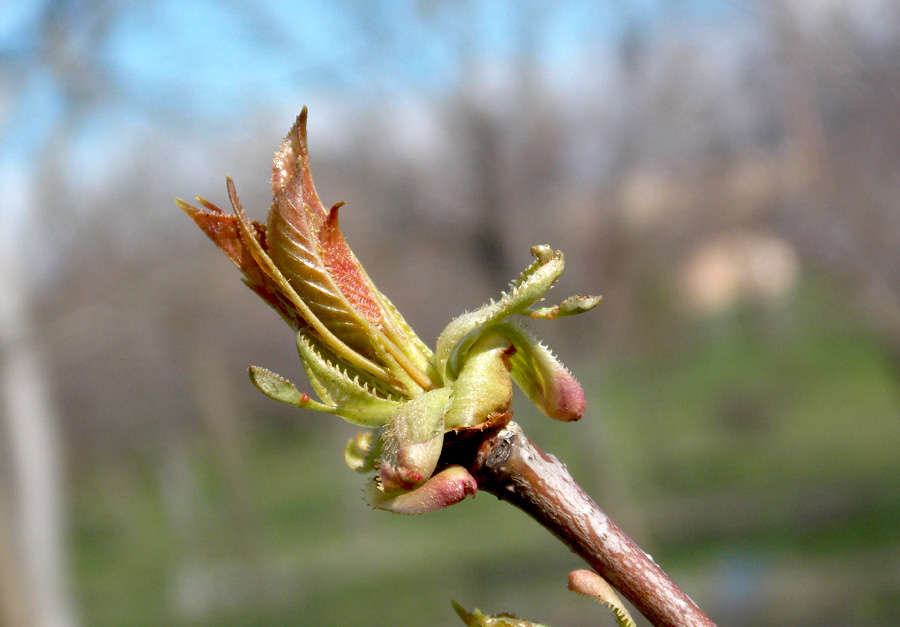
(33, 546)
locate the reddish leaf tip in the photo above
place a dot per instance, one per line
(293, 149)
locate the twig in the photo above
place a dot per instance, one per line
(512, 468)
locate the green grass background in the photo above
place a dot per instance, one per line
(753, 454)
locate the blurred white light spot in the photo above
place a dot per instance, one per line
(741, 266)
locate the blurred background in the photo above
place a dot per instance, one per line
(726, 174)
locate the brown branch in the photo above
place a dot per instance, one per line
(512, 468)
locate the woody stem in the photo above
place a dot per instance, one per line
(512, 468)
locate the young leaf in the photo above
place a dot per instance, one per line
(456, 339)
(308, 247)
(569, 307)
(477, 619)
(590, 584)
(349, 397)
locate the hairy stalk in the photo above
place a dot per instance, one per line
(511, 467)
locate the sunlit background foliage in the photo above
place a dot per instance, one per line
(725, 174)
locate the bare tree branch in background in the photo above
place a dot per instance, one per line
(37, 533)
(840, 154)
(67, 48)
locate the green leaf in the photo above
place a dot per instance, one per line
(569, 307)
(350, 397)
(456, 339)
(280, 389)
(477, 619)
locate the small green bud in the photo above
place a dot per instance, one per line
(484, 387)
(362, 451)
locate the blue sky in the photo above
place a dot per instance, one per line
(198, 66)
(209, 59)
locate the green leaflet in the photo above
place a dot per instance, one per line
(372, 412)
(280, 389)
(353, 400)
(477, 619)
(569, 307)
(461, 333)
(396, 328)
